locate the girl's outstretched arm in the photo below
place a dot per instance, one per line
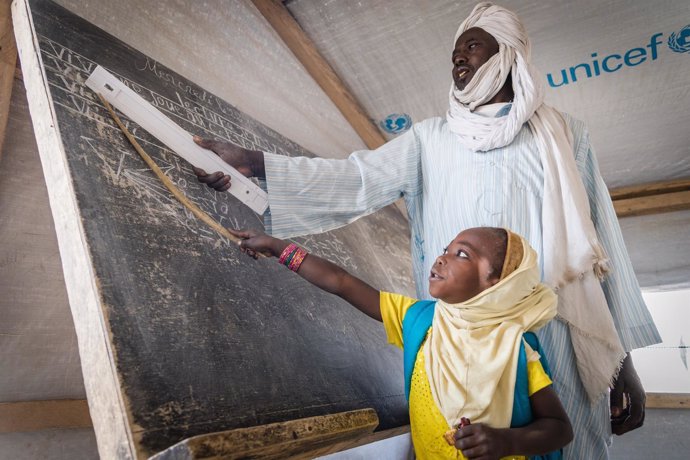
(319, 272)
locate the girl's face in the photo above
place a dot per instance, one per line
(466, 267)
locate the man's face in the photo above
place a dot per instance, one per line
(474, 47)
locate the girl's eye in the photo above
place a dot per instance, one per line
(445, 250)
(462, 254)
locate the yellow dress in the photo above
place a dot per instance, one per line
(427, 424)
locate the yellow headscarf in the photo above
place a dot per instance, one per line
(472, 351)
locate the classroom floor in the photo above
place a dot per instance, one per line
(665, 435)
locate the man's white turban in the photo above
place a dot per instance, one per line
(573, 259)
(513, 57)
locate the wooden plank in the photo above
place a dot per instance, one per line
(303, 438)
(44, 415)
(651, 188)
(653, 204)
(8, 62)
(303, 48)
(668, 401)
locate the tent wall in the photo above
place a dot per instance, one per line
(394, 56)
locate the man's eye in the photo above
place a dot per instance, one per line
(472, 45)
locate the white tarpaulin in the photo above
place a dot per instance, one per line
(610, 64)
(395, 57)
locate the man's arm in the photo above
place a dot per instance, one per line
(319, 272)
(315, 195)
(549, 431)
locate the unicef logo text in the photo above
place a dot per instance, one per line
(678, 42)
(396, 123)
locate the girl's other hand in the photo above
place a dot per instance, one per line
(480, 442)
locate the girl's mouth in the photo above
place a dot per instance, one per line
(433, 276)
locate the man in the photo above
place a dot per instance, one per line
(499, 158)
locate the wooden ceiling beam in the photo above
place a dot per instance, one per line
(303, 48)
(44, 415)
(668, 400)
(651, 188)
(8, 62)
(652, 204)
(651, 198)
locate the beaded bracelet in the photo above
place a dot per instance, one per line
(289, 249)
(288, 259)
(297, 260)
(292, 256)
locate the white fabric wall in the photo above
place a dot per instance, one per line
(395, 56)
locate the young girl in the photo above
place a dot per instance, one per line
(468, 355)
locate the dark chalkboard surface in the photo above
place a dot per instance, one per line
(203, 338)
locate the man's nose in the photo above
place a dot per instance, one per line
(459, 59)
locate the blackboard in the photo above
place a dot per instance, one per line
(202, 338)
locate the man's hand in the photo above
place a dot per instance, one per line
(481, 442)
(627, 400)
(247, 162)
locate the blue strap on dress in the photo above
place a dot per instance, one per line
(415, 325)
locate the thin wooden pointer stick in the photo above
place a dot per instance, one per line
(181, 197)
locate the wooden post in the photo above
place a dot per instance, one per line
(8, 62)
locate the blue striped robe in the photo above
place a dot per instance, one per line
(448, 188)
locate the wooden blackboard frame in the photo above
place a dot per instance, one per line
(130, 422)
(115, 438)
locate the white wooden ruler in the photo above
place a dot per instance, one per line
(173, 136)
